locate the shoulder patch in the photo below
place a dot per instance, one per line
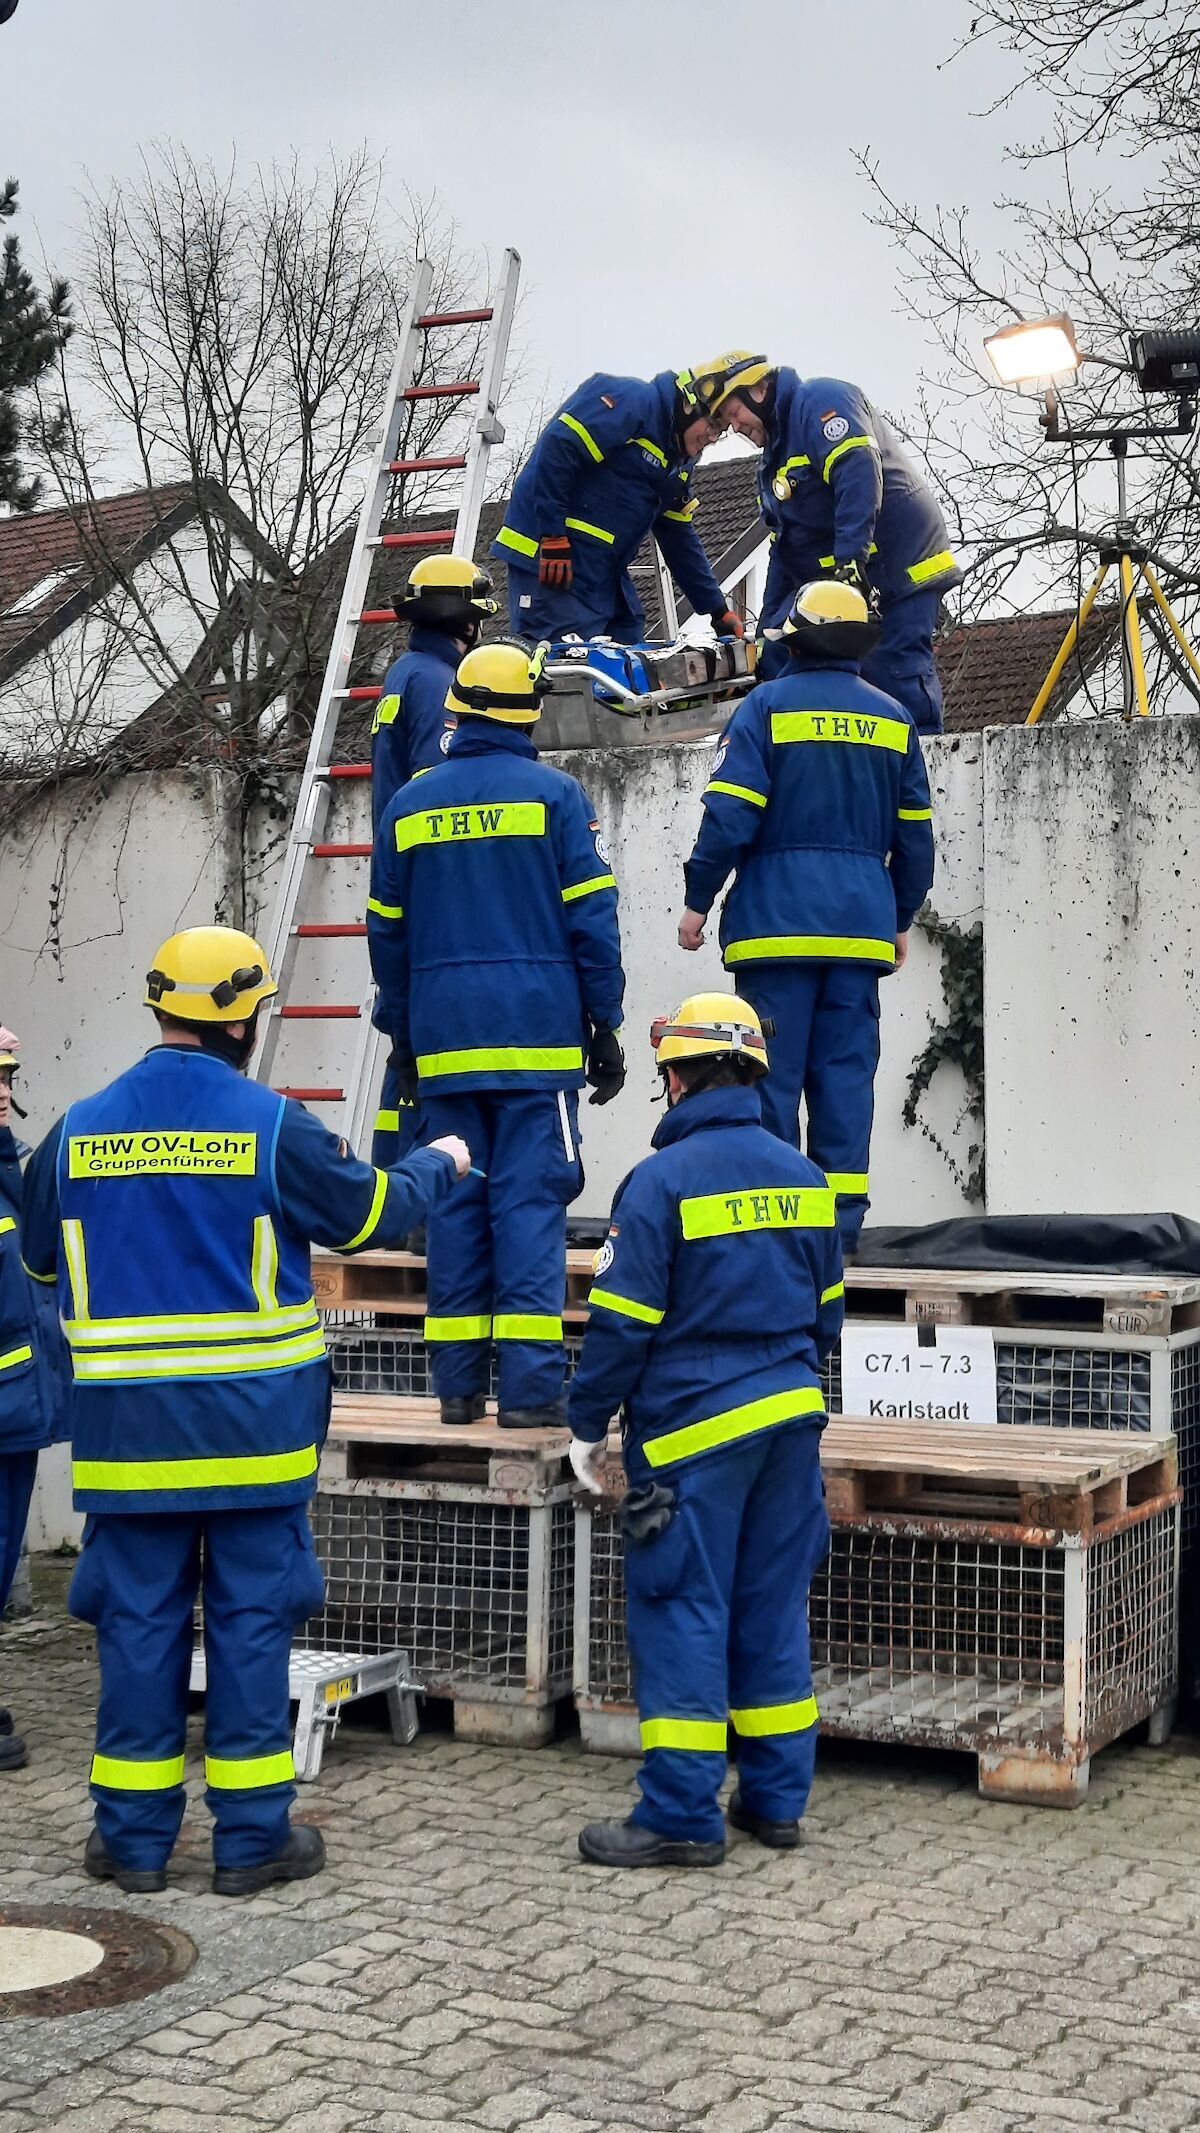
(604, 1258)
(829, 414)
(835, 428)
(720, 755)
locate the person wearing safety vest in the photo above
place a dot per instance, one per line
(840, 496)
(492, 925)
(33, 1369)
(175, 1208)
(818, 798)
(448, 600)
(613, 466)
(717, 1297)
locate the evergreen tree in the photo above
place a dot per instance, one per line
(33, 328)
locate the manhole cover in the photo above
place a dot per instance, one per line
(60, 1959)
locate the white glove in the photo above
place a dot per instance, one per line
(587, 1463)
(457, 1150)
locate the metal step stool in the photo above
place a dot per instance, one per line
(319, 1683)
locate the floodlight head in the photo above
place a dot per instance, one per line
(1034, 350)
(1167, 362)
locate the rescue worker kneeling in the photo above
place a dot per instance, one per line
(717, 1297)
(176, 1208)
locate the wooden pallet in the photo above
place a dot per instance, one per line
(1063, 1480)
(395, 1282)
(374, 1436)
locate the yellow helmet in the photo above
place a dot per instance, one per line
(10, 1045)
(447, 590)
(501, 681)
(705, 389)
(831, 619)
(711, 1025)
(209, 974)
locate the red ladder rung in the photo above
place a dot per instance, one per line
(328, 933)
(364, 695)
(460, 390)
(319, 1014)
(375, 614)
(346, 770)
(315, 1096)
(342, 851)
(427, 466)
(440, 539)
(454, 318)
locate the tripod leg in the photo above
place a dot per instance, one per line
(1066, 647)
(1132, 631)
(1171, 619)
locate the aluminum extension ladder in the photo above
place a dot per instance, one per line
(306, 849)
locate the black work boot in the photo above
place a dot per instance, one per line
(551, 1417)
(779, 1836)
(136, 1881)
(302, 1856)
(5, 1720)
(13, 1753)
(459, 1412)
(628, 1844)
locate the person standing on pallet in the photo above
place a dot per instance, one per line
(839, 496)
(612, 467)
(449, 598)
(819, 798)
(492, 925)
(718, 1295)
(174, 1209)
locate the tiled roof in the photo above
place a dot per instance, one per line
(38, 545)
(992, 671)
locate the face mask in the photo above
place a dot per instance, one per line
(235, 1051)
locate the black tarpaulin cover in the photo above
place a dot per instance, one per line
(1040, 1244)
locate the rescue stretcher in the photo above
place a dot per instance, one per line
(610, 695)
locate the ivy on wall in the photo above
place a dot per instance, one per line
(957, 1040)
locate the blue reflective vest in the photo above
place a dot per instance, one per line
(852, 493)
(492, 920)
(411, 716)
(177, 1205)
(606, 471)
(818, 797)
(718, 1293)
(33, 1369)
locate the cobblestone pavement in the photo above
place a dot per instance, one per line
(925, 1961)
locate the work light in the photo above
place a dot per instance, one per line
(1034, 350)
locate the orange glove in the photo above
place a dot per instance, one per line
(554, 562)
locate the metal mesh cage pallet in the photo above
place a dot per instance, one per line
(1028, 1647)
(458, 1546)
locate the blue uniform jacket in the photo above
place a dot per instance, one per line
(818, 797)
(492, 919)
(718, 1293)
(411, 715)
(174, 1209)
(606, 471)
(33, 1361)
(854, 494)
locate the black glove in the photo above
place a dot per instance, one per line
(852, 573)
(605, 1066)
(404, 1067)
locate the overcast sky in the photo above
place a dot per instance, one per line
(677, 177)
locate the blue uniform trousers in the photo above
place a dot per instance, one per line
(497, 1245)
(396, 1124)
(825, 1049)
(902, 663)
(17, 1471)
(604, 607)
(136, 1582)
(718, 1631)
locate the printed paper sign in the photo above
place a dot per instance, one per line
(900, 1374)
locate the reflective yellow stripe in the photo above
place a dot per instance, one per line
(264, 1264)
(829, 947)
(597, 533)
(734, 1423)
(385, 712)
(648, 445)
(465, 825)
(246, 1773)
(191, 1328)
(847, 1184)
(121, 1775)
(478, 1328)
(7, 1222)
(15, 1356)
(372, 1222)
(760, 1721)
(588, 888)
(626, 1306)
(526, 1326)
(707, 1736)
(865, 731)
(738, 792)
(49, 1279)
(829, 1296)
(76, 1258)
(932, 567)
(509, 538)
(800, 459)
(587, 437)
(247, 1359)
(389, 1121)
(508, 1059)
(130, 1476)
(731, 1214)
(384, 910)
(848, 444)
(916, 814)
(686, 516)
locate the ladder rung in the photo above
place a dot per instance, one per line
(346, 770)
(375, 614)
(440, 539)
(427, 466)
(328, 933)
(367, 694)
(460, 390)
(319, 1014)
(342, 851)
(315, 1096)
(454, 318)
